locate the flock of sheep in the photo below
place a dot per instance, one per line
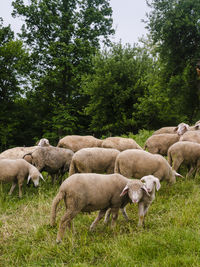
(100, 171)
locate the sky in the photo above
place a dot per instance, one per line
(127, 16)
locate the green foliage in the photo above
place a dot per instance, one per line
(118, 80)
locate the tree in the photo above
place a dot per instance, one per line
(63, 36)
(13, 71)
(174, 27)
(118, 81)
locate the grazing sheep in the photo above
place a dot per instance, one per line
(16, 170)
(120, 143)
(86, 192)
(16, 152)
(185, 152)
(95, 159)
(76, 142)
(180, 129)
(159, 143)
(192, 136)
(151, 183)
(19, 152)
(51, 159)
(138, 163)
(169, 130)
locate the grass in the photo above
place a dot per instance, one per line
(171, 236)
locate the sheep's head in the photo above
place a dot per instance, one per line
(43, 142)
(151, 182)
(181, 128)
(35, 176)
(135, 190)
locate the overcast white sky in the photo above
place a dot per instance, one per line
(127, 16)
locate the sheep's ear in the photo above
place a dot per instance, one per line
(125, 191)
(175, 129)
(29, 177)
(145, 189)
(158, 185)
(177, 174)
(143, 179)
(41, 177)
(196, 127)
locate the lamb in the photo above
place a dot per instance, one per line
(152, 183)
(138, 163)
(192, 136)
(185, 152)
(95, 159)
(16, 171)
(120, 143)
(51, 159)
(86, 192)
(76, 142)
(159, 143)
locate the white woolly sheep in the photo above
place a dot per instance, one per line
(187, 153)
(120, 143)
(95, 159)
(86, 192)
(76, 142)
(16, 171)
(159, 143)
(138, 163)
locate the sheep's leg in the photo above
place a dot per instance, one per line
(20, 183)
(12, 188)
(115, 212)
(141, 213)
(65, 222)
(124, 214)
(176, 164)
(98, 218)
(107, 216)
(191, 171)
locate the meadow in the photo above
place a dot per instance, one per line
(171, 236)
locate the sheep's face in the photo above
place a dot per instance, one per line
(182, 128)
(151, 182)
(43, 142)
(35, 178)
(135, 191)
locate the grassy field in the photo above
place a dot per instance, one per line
(171, 236)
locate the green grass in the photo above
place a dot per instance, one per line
(171, 236)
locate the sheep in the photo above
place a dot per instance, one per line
(76, 142)
(151, 183)
(16, 170)
(95, 159)
(180, 129)
(138, 163)
(159, 143)
(86, 192)
(185, 152)
(192, 136)
(19, 152)
(119, 143)
(168, 129)
(51, 159)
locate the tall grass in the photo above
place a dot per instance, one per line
(171, 236)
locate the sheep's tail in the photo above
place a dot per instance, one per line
(169, 157)
(116, 169)
(54, 206)
(72, 168)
